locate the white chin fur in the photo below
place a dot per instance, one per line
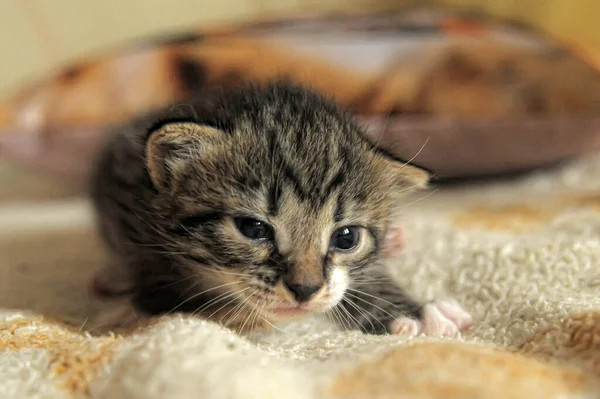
(337, 286)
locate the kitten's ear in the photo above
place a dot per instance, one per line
(171, 145)
(407, 177)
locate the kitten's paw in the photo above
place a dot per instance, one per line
(405, 326)
(113, 315)
(440, 319)
(110, 283)
(455, 313)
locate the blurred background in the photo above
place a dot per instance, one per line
(40, 35)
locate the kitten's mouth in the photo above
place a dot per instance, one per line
(283, 312)
(289, 311)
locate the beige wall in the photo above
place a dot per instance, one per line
(38, 35)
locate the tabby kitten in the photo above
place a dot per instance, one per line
(255, 205)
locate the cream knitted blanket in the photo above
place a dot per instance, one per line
(522, 256)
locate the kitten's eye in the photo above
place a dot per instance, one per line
(345, 239)
(254, 229)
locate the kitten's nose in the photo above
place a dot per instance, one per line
(303, 292)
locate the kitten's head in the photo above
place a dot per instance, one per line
(273, 195)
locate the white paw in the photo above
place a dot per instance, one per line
(440, 319)
(405, 326)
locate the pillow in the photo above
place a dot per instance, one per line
(461, 105)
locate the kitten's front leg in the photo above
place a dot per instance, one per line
(375, 304)
(111, 292)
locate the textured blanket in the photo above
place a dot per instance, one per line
(521, 255)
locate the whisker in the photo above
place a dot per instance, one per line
(369, 315)
(372, 304)
(419, 199)
(409, 188)
(154, 228)
(145, 245)
(191, 287)
(254, 309)
(220, 270)
(213, 301)
(375, 297)
(366, 283)
(239, 294)
(334, 318)
(84, 323)
(340, 319)
(237, 309)
(267, 320)
(418, 152)
(200, 293)
(383, 127)
(248, 317)
(181, 281)
(168, 253)
(373, 280)
(347, 321)
(258, 316)
(361, 313)
(347, 312)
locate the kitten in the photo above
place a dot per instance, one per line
(255, 204)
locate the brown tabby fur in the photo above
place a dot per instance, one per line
(168, 187)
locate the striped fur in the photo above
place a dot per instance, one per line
(167, 187)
